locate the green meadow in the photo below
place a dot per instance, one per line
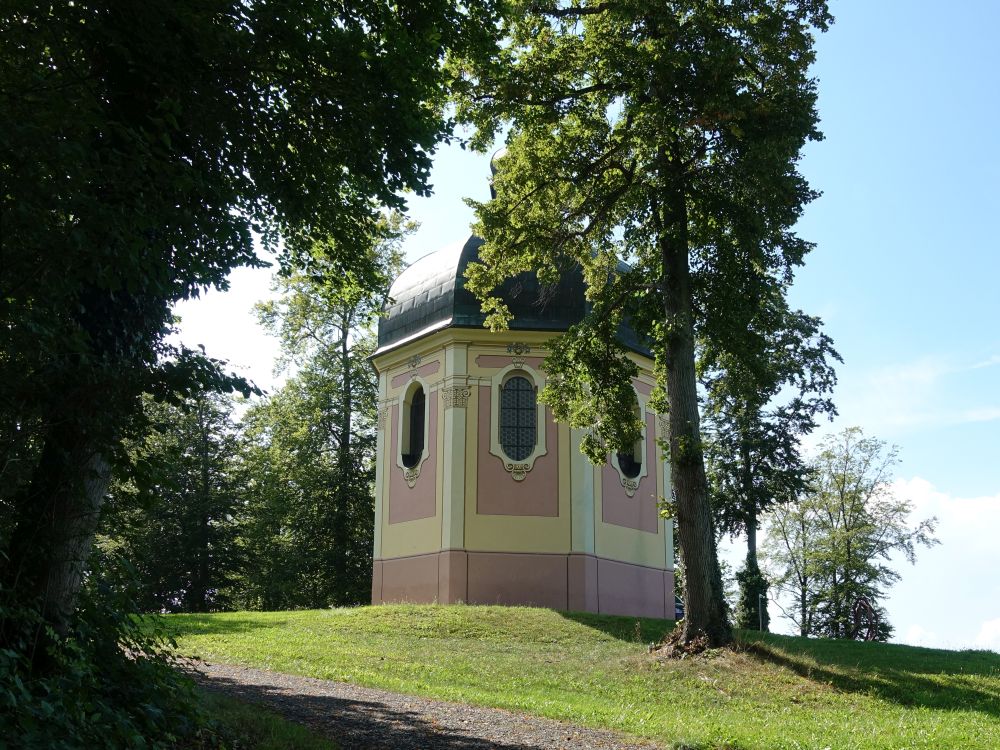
(771, 692)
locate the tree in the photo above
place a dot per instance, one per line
(789, 545)
(666, 136)
(172, 520)
(308, 453)
(833, 546)
(141, 145)
(757, 409)
(304, 529)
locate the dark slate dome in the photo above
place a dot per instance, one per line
(430, 295)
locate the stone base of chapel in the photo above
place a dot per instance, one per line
(574, 582)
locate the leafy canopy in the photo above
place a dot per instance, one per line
(666, 137)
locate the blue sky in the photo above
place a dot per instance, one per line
(905, 275)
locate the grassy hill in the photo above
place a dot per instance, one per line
(778, 692)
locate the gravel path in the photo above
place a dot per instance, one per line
(358, 717)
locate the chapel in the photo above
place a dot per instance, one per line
(480, 497)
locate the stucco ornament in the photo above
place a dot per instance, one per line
(414, 361)
(411, 476)
(518, 349)
(382, 421)
(520, 467)
(412, 473)
(456, 396)
(517, 471)
(630, 485)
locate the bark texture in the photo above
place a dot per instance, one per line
(58, 517)
(704, 604)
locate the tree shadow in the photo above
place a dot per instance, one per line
(212, 624)
(631, 629)
(904, 675)
(356, 724)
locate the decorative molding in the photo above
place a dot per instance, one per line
(631, 484)
(518, 349)
(412, 475)
(457, 395)
(382, 420)
(415, 369)
(517, 469)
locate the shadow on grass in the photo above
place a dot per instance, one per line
(633, 629)
(216, 624)
(904, 675)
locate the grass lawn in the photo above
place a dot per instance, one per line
(781, 692)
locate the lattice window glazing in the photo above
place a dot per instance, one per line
(413, 433)
(518, 418)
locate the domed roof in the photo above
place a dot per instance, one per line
(430, 295)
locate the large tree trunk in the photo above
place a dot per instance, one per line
(58, 517)
(704, 605)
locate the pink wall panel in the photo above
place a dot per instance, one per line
(423, 371)
(420, 501)
(498, 493)
(410, 579)
(624, 589)
(511, 578)
(639, 511)
(500, 361)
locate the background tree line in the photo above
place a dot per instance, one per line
(266, 504)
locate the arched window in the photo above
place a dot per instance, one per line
(413, 427)
(630, 462)
(518, 418)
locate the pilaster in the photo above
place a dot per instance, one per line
(381, 440)
(582, 499)
(455, 392)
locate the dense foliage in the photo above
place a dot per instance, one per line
(307, 454)
(834, 544)
(114, 682)
(757, 408)
(142, 144)
(172, 519)
(665, 136)
(273, 510)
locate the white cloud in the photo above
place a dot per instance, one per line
(915, 635)
(987, 414)
(988, 362)
(953, 588)
(928, 392)
(989, 635)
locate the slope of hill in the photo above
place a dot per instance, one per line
(776, 692)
